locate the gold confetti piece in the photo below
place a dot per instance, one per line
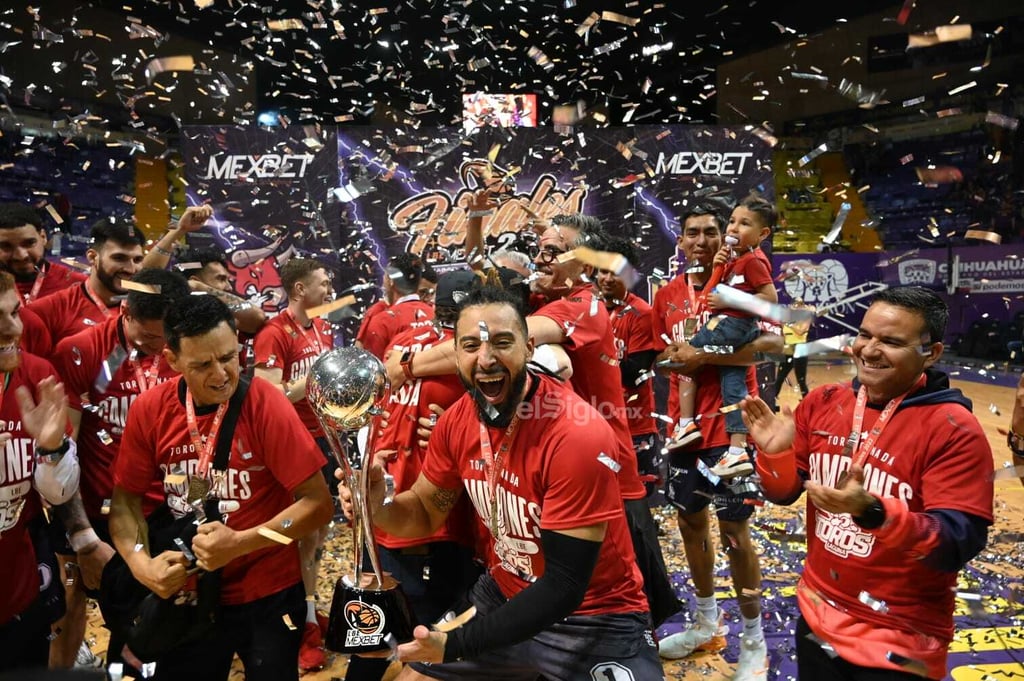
(587, 23)
(327, 308)
(942, 34)
(455, 622)
(54, 214)
(991, 237)
(141, 288)
(729, 408)
(161, 64)
(286, 25)
(174, 479)
(287, 619)
(492, 154)
(619, 18)
(270, 534)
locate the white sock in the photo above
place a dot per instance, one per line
(311, 610)
(752, 628)
(708, 607)
(685, 421)
(736, 451)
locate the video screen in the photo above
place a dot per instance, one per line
(482, 109)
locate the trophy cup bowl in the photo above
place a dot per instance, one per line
(369, 612)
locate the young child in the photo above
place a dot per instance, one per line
(744, 267)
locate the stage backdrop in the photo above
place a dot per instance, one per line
(357, 195)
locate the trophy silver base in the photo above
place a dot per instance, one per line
(362, 617)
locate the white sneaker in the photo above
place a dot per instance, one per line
(683, 436)
(753, 662)
(85, 659)
(733, 464)
(702, 635)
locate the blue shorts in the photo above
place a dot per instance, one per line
(579, 648)
(691, 491)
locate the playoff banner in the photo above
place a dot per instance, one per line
(355, 196)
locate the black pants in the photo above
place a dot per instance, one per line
(814, 664)
(798, 363)
(267, 647)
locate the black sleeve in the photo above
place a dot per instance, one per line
(962, 536)
(568, 565)
(634, 364)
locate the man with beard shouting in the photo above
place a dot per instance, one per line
(562, 596)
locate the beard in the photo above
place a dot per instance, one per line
(108, 280)
(499, 415)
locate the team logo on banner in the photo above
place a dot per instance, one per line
(436, 221)
(366, 624)
(821, 283)
(919, 272)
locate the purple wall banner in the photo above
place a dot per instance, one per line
(356, 196)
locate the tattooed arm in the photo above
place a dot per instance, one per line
(416, 512)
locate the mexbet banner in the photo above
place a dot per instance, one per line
(356, 196)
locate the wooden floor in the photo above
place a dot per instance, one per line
(992, 406)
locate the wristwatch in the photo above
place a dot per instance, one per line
(873, 516)
(44, 455)
(1016, 443)
(407, 364)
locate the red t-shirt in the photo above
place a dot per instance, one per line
(56, 277)
(631, 324)
(67, 312)
(283, 344)
(407, 405)
(378, 330)
(78, 360)
(747, 273)
(929, 456)
(271, 455)
(590, 344)
(19, 502)
(673, 305)
(554, 479)
(35, 337)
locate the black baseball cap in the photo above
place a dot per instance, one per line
(453, 286)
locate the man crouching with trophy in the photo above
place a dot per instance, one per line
(562, 596)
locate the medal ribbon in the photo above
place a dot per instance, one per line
(205, 451)
(36, 285)
(311, 338)
(143, 378)
(97, 301)
(863, 449)
(494, 464)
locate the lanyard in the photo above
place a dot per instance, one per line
(150, 377)
(494, 464)
(696, 302)
(863, 449)
(96, 300)
(206, 450)
(312, 339)
(3, 388)
(36, 285)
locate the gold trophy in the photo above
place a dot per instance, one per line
(369, 611)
